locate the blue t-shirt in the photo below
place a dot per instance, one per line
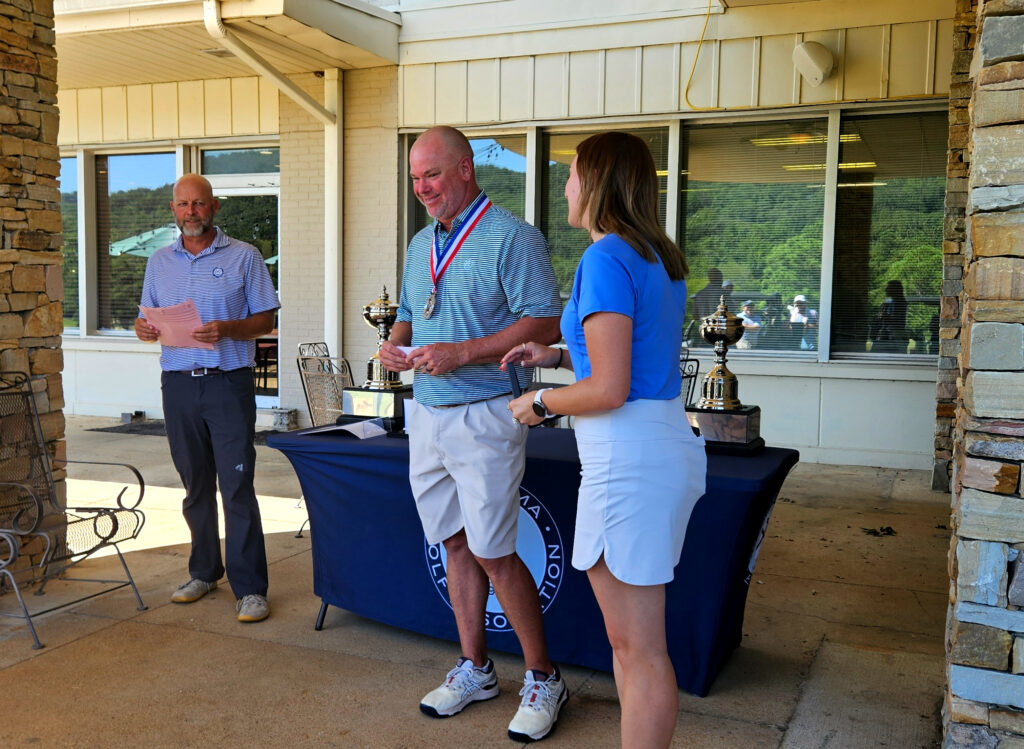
(612, 277)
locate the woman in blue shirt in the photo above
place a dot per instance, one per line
(643, 469)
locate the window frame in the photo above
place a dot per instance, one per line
(677, 125)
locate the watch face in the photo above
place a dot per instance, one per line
(539, 410)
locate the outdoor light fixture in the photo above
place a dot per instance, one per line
(814, 61)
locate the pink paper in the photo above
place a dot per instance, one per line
(176, 324)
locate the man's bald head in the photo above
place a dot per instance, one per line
(443, 178)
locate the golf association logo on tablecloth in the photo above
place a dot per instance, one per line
(539, 545)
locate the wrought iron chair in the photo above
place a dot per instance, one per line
(324, 377)
(689, 366)
(40, 538)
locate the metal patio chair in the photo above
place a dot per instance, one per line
(40, 538)
(324, 378)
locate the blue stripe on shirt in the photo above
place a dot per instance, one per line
(501, 274)
(227, 281)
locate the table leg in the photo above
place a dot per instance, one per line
(320, 617)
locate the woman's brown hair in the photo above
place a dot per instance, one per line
(619, 195)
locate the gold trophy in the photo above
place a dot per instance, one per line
(721, 418)
(382, 393)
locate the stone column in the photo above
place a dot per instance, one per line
(985, 629)
(31, 287)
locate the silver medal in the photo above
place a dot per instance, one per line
(428, 308)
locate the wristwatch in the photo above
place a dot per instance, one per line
(538, 405)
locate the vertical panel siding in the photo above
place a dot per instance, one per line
(777, 73)
(418, 95)
(450, 91)
(516, 89)
(245, 105)
(909, 71)
(215, 107)
(90, 115)
(270, 103)
(703, 91)
(140, 112)
(871, 63)
(586, 84)
(622, 83)
(67, 103)
(115, 113)
(551, 86)
(191, 103)
(484, 82)
(737, 87)
(866, 71)
(660, 78)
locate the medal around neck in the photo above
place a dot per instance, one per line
(383, 393)
(428, 308)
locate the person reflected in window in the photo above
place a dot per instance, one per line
(702, 304)
(643, 468)
(889, 328)
(803, 324)
(752, 322)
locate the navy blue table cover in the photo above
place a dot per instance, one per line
(370, 556)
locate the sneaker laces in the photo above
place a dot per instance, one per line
(245, 599)
(537, 695)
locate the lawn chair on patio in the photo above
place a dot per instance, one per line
(324, 377)
(40, 538)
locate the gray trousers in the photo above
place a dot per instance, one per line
(211, 422)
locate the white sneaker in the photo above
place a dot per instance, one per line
(464, 684)
(538, 711)
(252, 608)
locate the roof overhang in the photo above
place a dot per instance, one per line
(126, 42)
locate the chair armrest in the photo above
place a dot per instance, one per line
(27, 514)
(140, 482)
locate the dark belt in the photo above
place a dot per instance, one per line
(203, 371)
(460, 405)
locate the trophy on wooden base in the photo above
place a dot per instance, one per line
(382, 393)
(725, 423)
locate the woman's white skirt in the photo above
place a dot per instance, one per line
(643, 470)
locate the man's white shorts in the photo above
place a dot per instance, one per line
(465, 466)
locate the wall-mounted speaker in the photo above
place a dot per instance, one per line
(814, 61)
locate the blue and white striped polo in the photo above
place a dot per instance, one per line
(227, 281)
(501, 274)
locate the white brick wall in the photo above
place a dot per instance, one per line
(371, 205)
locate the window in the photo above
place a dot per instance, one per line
(567, 244)
(888, 237)
(133, 220)
(241, 161)
(69, 250)
(750, 221)
(500, 164)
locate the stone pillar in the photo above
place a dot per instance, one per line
(31, 288)
(985, 628)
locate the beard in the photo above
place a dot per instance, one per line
(190, 230)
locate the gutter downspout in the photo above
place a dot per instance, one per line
(215, 28)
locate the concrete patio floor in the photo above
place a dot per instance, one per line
(842, 645)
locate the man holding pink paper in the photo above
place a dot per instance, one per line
(206, 298)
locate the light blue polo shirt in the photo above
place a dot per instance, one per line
(227, 281)
(501, 274)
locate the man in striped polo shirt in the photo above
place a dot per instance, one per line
(209, 393)
(477, 282)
